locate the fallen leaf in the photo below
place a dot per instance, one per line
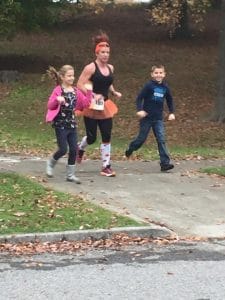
(19, 214)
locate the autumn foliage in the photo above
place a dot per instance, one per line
(171, 12)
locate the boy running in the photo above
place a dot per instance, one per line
(150, 102)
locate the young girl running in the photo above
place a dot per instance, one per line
(62, 103)
(100, 74)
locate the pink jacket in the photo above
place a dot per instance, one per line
(83, 101)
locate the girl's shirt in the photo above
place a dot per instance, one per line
(54, 108)
(65, 117)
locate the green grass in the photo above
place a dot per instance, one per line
(179, 152)
(22, 122)
(23, 128)
(26, 207)
(214, 170)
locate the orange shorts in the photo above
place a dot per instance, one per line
(110, 109)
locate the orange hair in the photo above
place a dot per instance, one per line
(100, 40)
(100, 45)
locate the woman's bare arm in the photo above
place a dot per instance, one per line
(85, 76)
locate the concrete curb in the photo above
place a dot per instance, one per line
(152, 231)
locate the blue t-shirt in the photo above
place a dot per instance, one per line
(151, 99)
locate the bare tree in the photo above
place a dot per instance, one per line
(219, 109)
(182, 29)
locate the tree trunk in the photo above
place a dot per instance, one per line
(183, 30)
(216, 4)
(219, 109)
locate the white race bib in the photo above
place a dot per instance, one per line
(97, 102)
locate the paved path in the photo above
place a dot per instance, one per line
(183, 200)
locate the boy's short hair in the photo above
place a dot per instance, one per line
(157, 67)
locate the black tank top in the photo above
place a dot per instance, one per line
(101, 83)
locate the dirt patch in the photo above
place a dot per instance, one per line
(4, 91)
(28, 63)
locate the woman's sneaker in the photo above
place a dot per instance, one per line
(108, 172)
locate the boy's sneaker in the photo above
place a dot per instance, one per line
(108, 172)
(80, 154)
(167, 167)
(128, 153)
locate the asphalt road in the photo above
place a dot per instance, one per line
(182, 271)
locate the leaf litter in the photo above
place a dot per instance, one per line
(116, 242)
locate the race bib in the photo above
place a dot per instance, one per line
(97, 102)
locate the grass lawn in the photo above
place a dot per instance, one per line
(26, 207)
(214, 170)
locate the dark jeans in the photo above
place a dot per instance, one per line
(158, 129)
(105, 127)
(66, 136)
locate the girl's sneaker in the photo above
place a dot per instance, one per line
(108, 172)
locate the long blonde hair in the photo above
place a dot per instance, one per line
(57, 75)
